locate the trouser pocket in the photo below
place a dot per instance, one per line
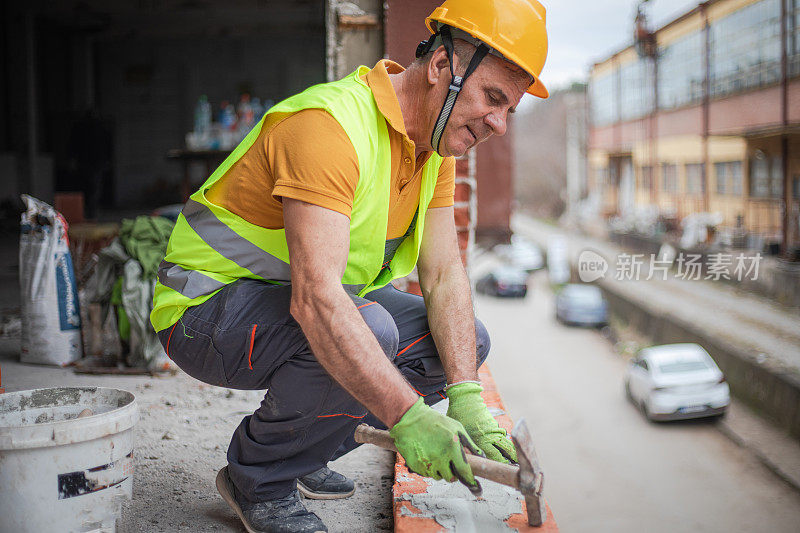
(238, 348)
(193, 351)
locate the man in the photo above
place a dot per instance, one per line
(277, 273)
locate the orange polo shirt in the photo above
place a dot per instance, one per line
(309, 157)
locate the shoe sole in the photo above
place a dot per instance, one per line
(222, 488)
(312, 495)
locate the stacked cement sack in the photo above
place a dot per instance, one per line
(51, 320)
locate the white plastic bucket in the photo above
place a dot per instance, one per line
(62, 472)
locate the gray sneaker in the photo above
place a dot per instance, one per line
(282, 515)
(325, 484)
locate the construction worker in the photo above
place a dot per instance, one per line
(277, 272)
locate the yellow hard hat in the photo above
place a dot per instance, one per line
(515, 28)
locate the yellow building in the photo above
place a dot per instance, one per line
(704, 115)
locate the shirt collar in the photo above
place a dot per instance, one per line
(383, 92)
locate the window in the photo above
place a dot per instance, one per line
(602, 99)
(646, 177)
(601, 176)
(681, 71)
(746, 48)
(729, 177)
(796, 187)
(635, 89)
(695, 178)
(669, 177)
(682, 366)
(766, 177)
(793, 36)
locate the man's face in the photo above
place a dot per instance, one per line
(487, 96)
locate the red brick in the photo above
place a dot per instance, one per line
(462, 167)
(463, 191)
(462, 216)
(463, 240)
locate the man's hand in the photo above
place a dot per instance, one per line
(431, 445)
(467, 406)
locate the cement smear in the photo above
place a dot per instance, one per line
(454, 508)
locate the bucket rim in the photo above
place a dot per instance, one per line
(72, 431)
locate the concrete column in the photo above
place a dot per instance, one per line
(33, 137)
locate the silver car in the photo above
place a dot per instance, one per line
(581, 305)
(676, 381)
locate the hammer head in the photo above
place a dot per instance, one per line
(530, 473)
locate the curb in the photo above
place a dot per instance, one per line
(409, 519)
(734, 437)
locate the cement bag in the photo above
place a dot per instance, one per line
(51, 319)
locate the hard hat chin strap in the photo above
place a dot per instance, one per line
(456, 83)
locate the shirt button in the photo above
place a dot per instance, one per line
(407, 160)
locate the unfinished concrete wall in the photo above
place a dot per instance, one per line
(354, 35)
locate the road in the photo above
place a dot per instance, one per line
(606, 467)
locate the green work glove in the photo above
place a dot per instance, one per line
(430, 442)
(467, 406)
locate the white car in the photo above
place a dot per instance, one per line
(521, 254)
(676, 381)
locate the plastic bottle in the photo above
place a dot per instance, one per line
(258, 109)
(202, 115)
(227, 116)
(245, 112)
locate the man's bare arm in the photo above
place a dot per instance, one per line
(318, 241)
(448, 297)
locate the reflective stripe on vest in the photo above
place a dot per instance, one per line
(231, 245)
(190, 283)
(194, 284)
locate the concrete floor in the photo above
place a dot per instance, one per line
(607, 468)
(181, 439)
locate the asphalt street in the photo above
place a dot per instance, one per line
(606, 467)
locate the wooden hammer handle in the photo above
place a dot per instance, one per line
(485, 468)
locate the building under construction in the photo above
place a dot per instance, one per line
(703, 115)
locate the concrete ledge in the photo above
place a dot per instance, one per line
(446, 505)
(765, 386)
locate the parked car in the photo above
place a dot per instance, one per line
(521, 254)
(581, 305)
(676, 381)
(504, 281)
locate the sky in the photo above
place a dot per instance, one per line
(581, 32)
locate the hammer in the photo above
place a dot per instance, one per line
(527, 477)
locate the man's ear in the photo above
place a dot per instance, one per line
(438, 66)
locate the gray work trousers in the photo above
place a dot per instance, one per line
(244, 338)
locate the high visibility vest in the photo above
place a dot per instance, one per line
(211, 247)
